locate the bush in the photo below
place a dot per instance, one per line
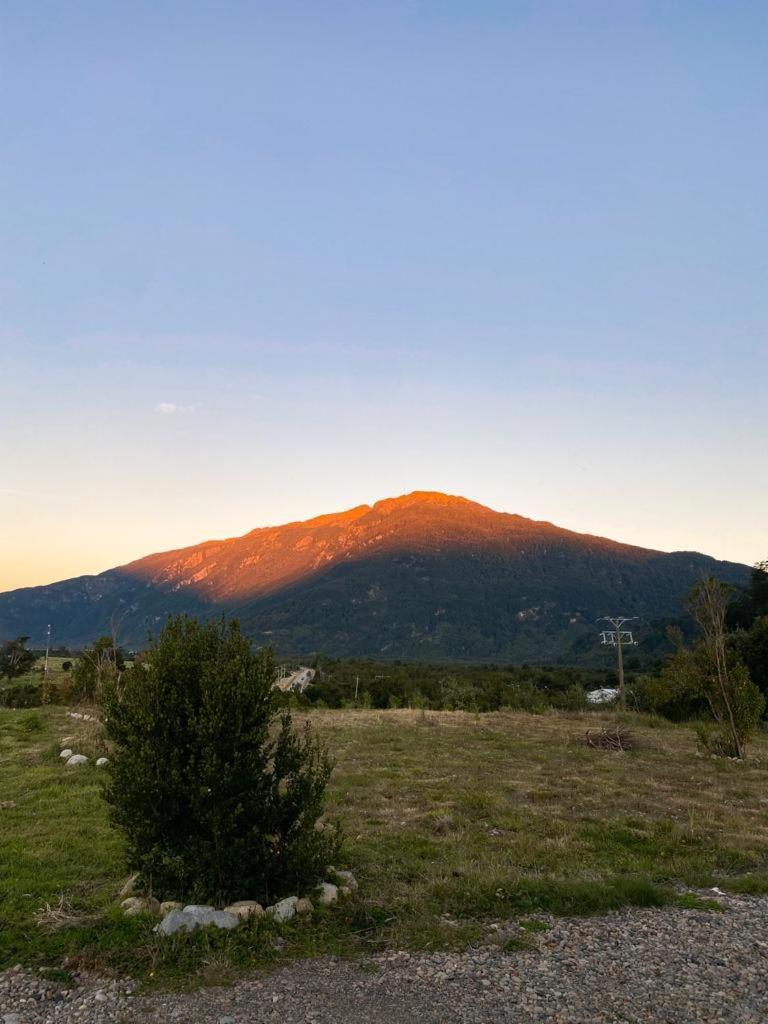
(97, 670)
(217, 797)
(22, 695)
(57, 690)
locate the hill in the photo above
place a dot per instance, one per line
(426, 576)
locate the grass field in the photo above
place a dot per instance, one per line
(452, 821)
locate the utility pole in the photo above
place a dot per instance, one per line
(47, 649)
(619, 638)
(357, 683)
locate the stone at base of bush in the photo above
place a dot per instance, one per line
(304, 906)
(129, 885)
(66, 752)
(76, 759)
(195, 916)
(140, 905)
(245, 909)
(349, 880)
(328, 894)
(168, 905)
(284, 910)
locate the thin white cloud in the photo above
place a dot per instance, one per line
(18, 493)
(171, 408)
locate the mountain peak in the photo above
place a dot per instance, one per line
(432, 498)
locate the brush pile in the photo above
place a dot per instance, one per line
(612, 738)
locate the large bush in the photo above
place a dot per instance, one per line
(217, 796)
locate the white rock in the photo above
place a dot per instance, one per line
(101, 761)
(328, 894)
(245, 909)
(140, 905)
(304, 906)
(129, 885)
(168, 905)
(285, 909)
(66, 752)
(348, 879)
(77, 759)
(195, 916)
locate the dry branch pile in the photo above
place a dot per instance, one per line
(615, 738)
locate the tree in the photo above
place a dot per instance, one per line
(752, 645)
(714, 669)
(752, 601)
(218, 797)
(97, 669)
(15, 659)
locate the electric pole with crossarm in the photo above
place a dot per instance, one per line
(618, 638)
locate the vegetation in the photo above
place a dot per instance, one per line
(97, 670)
(454, 687)
(478, 817)
(15, 658)
(216, 799)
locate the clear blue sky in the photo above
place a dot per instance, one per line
(264, 260)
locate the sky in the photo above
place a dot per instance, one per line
(265, 260)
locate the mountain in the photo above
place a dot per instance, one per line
(426, 576)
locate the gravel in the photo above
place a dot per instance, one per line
(669, 966)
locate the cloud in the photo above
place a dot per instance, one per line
(170, 408)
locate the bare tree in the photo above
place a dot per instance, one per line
(708, 602)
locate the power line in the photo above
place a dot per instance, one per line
(619, 638)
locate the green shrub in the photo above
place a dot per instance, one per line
(27, 694)
(97, 670)
(217, 796)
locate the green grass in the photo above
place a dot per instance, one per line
(452, 821)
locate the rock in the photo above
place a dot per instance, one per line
(168, 905)
(245, 909)
(344, 890)
(226, 1020)
(195, 916)
(304, 906)
(140, 905)
(66, 752)
(284, 910)
(328, 894)
(11, 1018)
(348, 879)
(101, 761)
(128, 886)
(77, 759)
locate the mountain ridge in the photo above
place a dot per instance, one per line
(421, 575)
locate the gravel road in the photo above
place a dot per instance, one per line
(669, 966)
